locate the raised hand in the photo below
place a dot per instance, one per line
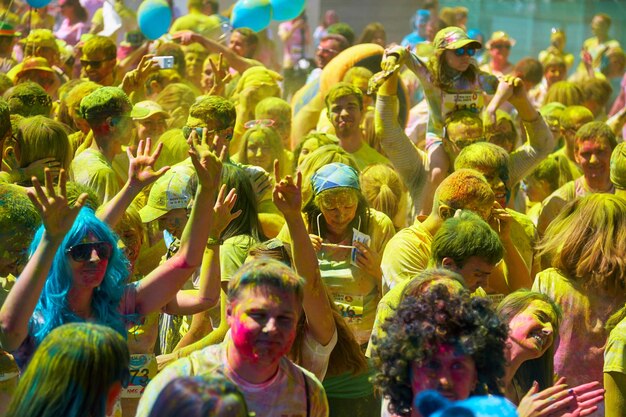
(561, 401)
(146, 67)
(548, 402)
(287, 195)
(587, 397)
(141, 171)
(501, 221)
(205, 160)
(219, 76)
(185, 37)
(222, 210)
(56, 215)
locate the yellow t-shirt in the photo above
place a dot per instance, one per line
(366, 155)
(355, 292)
(406, 255)
(91, 168)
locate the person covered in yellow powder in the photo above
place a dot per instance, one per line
(558, 40)
(261, 145)
(202, 18)
(99, 61)
(107, 111)
(254, 85)
(614, 369)
(18, 223)
(452, 81)
(349, 238)
(408, 252)
(593, 145)
(344, 103)
(464, 244)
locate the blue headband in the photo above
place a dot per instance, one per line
(335, 175)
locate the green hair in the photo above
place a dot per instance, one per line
(463, 237)
(72, 379)
(596, 131)
(19, 220)
(484, 155)
(14, 96)
(97, 43)
(343, 89)
(343, 29)
(104, 102)
(564, 92)
(5, 118)
(214, 108)
(272, 106)
(41, 137)
(566, 119)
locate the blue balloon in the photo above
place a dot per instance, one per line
(253, 14)
(287, 9)
(154, 18)
(38, 4)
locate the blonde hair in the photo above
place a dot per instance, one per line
(274, 142)
(587, 241)
(382, 188)
(41, 137)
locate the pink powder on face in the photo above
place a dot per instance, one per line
(262, 330)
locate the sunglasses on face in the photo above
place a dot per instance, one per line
(463, 51)
(260, 122)
(501, 46)
(187, 132)
(82, 252)
(93, 64)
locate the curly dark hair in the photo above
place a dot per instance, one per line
(421, 325)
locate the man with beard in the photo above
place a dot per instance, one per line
(98, 61)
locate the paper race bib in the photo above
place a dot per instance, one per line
(350, 306)
(361, 238)
(143, 368)
(472, 101)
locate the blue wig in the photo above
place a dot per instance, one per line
(53, 308)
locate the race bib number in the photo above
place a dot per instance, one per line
(361, 238)
(472, 101)
(350, 306)
(143, 368)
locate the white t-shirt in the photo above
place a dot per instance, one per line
(286, 394)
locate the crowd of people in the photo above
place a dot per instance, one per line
(193, 226)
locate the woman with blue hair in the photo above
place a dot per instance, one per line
(77, 273)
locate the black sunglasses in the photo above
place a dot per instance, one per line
(82, 251)
(93, 64)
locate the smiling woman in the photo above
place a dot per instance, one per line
(349, 238)
(534, 321)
